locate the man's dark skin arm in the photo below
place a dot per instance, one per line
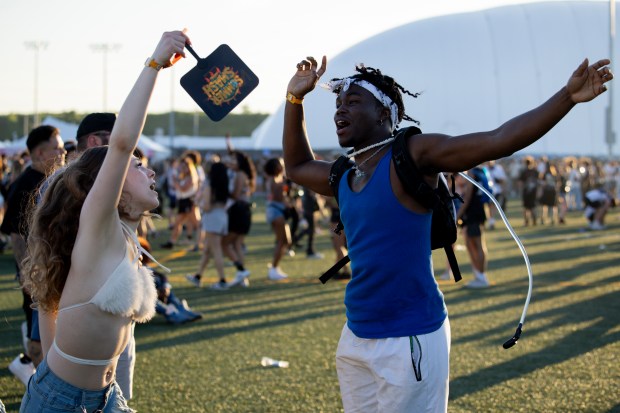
(300, 163)
(438, 152)
(435, 152)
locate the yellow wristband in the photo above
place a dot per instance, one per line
(294, 99)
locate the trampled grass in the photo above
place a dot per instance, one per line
(566, 360)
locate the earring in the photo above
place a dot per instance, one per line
(380, 122)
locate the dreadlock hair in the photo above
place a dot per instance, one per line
(387, 85)
(54, 224)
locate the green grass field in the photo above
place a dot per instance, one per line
(568, 358)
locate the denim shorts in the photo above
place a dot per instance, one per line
(48, 393)
(274, 210)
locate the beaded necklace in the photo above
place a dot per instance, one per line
(358, 172)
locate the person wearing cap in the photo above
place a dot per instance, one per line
(85, 274)
(46, 153)
(393, 353)
(94, 130)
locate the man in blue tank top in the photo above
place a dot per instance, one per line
(393, 354)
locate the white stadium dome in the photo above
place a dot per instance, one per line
(476, 71)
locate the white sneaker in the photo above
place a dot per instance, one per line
(315, 256)
(240, 279)
(478, 283)
(597, 226)
(290, 252)
(274, 274)
(23, 371)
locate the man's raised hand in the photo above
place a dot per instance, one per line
(587, 82)
(307, 75)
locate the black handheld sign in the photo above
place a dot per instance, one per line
(219, 82)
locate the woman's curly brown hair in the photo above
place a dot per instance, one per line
(53, 228)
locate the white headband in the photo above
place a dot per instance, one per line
(344, 84)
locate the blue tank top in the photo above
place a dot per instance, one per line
(392, 292)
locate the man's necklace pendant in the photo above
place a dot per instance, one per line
(359, 173)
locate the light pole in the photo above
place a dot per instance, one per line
(37, 46)
(171, 121)
(610, 135)
(105, 48)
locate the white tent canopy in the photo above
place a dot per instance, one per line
(476, 71)
(68, 131)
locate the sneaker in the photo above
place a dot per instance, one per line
(240, 278)
(290, 252)
(175, 316)
(597, 226)
(184, 308)
(477, 283)
(23, 371)
(315, 256)
(220, 286)
(193, 279)
(245, 283)
(275, 274)
(167, 245)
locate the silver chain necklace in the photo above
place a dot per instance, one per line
(358, 172)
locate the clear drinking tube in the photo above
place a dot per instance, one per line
(517, 334)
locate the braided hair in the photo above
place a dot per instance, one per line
(385, 84)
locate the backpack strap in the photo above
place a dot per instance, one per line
(336, 172)
(334, 269)
(338, 169)
(416, 186)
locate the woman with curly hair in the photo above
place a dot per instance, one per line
(85, 274)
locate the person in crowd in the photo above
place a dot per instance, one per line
(500, 180)
(396, 314)
(200, 172)
(598, 202)
(173, 309)
(185, 183)
(310, 206)
(243, 185)
(212, 199)
(85, 275)
(471, 216)
(275, 212)
(528, 181)
(47, 153)
(574, 196)
(549, 184)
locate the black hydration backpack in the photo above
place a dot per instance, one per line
(440, 200)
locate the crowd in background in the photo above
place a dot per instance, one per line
(548, 188)
(208, 200)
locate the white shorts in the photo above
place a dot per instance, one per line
(378, 375)
(215, 221)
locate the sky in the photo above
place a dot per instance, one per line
(73, 73)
